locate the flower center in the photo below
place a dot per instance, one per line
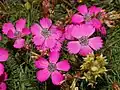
(18, 34)
(84, 40)
(87, 17)
(45, 33)
(51, 67)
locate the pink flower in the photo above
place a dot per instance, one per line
(46, 35)
(3, 78)
(16, 32)
(51, 68)
(89, 16)
(83, 44)
(3, 54)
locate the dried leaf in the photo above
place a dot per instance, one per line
(115, 86)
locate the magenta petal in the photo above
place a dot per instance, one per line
(56, 48)
(63, 65)
(3, 54)
(43, 75)
(76, 32)
(1, 69)
(53, 57)
(85, 50)
(82, 9)
(76, 18)
(103, 30)
(68, 30)
(55, 32)
(5, 76)
(38, 40)
(26, 31)
(96, 23)
(45, 22)
(94, 10)
(20, 24)
(83, 30)
(36, 29)
(74, 47)
(19, 43)
(41, 63)
(50, 42)
(10, 34)
(96, 43)
(57, 78)
(8, 26)
(3, 86)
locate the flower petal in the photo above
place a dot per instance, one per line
(68, 30)
(55, 32)
(63, 65)
(74, 47)
(26, 31)
(20, 24)
(38, 40)
(85, 50)
(36, 29)
(96, 43)
(45, 23)
(96, 23)
(10, 34)
(8, 26)
(93, 10)
(75, 31)
(19, 43)
(50, 42)
(83, 30)
(82, 9)
(1, 69)
(103, 30)
(3, 86)
(43, 75)
(3, 54)
(53, 57)
(56, 48)
(41, 63)
(76, 18)
(57, 78)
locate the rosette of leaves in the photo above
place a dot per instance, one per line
(93, 67)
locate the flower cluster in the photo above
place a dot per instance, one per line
(84, 24)
(90, 16)
(48, 37)
(17, 33)
(3, 75)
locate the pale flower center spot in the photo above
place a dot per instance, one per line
(84, 40)
(52, 67)
(87, 17)
(45, 33)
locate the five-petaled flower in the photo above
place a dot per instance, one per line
(45, 35)
(89, 16)
(82, 43)
(51, 68)
(17, 32)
